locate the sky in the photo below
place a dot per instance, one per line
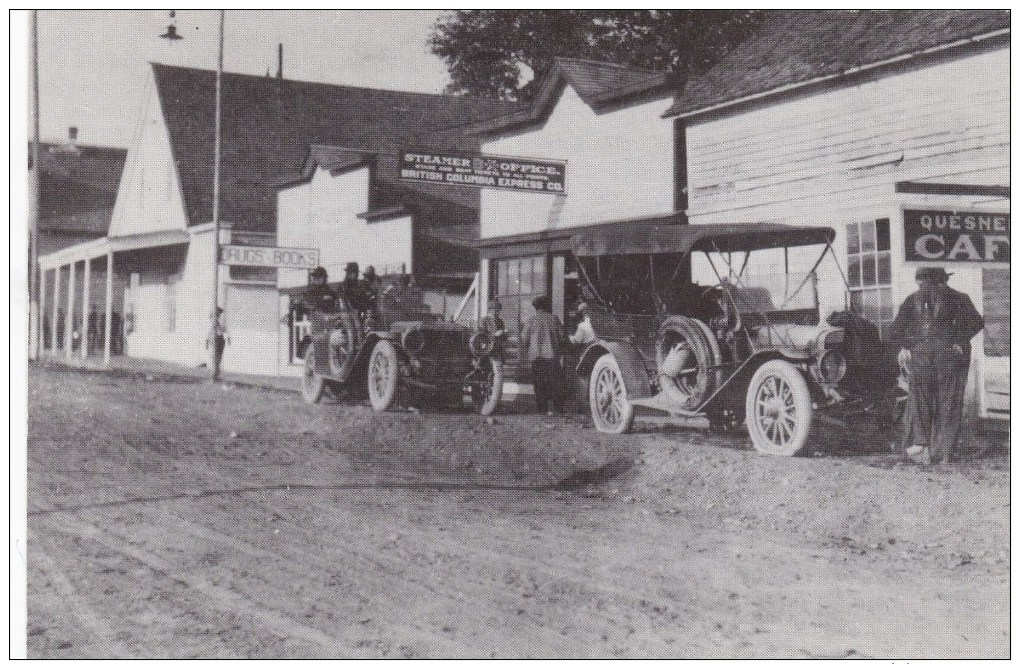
(93, 65)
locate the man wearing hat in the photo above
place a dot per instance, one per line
(353, 288)
(319, 295)
(933, 328)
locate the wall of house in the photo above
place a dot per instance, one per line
(149, 197)
(619, 165)
(834, 157)
(322, 214)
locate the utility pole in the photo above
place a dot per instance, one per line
(217, 354)
(34, 327)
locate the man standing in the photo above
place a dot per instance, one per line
(542, 341)
(493, 324)
(933, 328)
(218, 339)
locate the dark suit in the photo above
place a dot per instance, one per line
(929, 326)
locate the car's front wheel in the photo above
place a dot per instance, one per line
(779, 411)
(383, 375)
(313, 386)
(611, 412)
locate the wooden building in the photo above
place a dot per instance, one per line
(869, 122)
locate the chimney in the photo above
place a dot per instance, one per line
(72, 136)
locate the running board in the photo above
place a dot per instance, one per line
(662, 402)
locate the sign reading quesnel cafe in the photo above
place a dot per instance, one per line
(285, 257)
(546, 177)
(958, 237)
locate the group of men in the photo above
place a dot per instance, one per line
(361, 293)
(544, 345)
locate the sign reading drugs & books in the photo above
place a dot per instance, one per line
(515, 173)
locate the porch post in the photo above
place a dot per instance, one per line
(56, 309)
(86, 307)
(108, 321)
(69, 316)
(42, 309)
(483, 289)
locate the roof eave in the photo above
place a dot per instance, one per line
(758, 96)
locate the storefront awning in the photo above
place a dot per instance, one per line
(669, 239)
(104, 245)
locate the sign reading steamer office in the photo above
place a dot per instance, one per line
(514, 173)
(957, 237)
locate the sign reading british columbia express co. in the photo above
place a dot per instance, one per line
(284, 257)
(544, 177)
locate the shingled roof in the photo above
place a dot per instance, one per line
(269, 124)
(78, 187)
(600, 85)
(797, 47)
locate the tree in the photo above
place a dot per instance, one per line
(490, 53)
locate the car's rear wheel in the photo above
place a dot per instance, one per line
(779, 412)
(487, 388)
(313, 386)
(383, 375)
(607, 394)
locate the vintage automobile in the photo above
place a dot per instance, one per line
(750, 347)
(399, 351)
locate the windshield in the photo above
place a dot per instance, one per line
(769, 280)
(771, 291)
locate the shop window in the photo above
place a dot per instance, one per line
(869, 271)
(300, 327)
(254, 274)
(996, 311)
(518, 281)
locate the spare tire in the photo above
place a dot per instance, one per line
(687, 378)
(343, 340)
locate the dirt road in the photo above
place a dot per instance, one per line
(177, 519)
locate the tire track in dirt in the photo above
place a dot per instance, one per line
(223, 598)
(99, 633)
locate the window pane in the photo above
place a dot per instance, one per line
(867, 236)
(868, 269)
(884, 268)
(856, 302)
(871, 306)
(885, 304)
(539, 281)
(853, 243)
(853, 271)
(501, 278)
(882, 231)
(513, 277)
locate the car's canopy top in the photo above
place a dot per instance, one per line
(685, 238)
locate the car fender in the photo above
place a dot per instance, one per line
(632, 365)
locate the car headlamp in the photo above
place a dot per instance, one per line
(831, 366)
(481, 343)
(414, 341)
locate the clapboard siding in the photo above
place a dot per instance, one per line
(619, 165)
(323, 213)
(912, 125)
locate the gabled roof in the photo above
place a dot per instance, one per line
(602, 86)
(269, 124)
(78, 187)
(797, 47)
